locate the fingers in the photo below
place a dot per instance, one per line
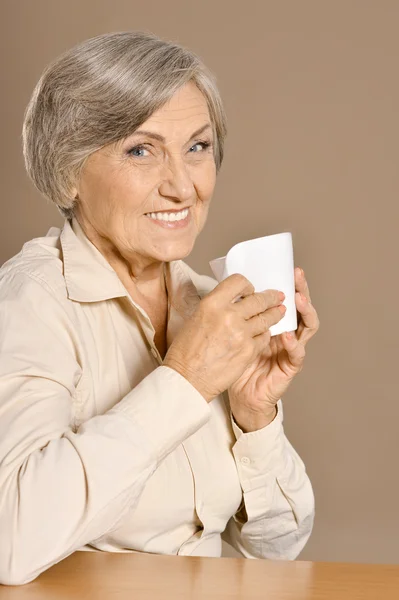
(262, 344)
(259, 302)
(232, 288)
(295, 350)
(261, 323)
(301, 285)
(309, 323)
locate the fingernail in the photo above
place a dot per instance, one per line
(281, 296)
(282, 308)
(289, 335)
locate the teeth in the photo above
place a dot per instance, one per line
(169, 216)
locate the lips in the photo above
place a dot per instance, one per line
(169, 210)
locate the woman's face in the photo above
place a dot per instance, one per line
(164, 168)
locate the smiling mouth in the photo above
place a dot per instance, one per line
(171, 216)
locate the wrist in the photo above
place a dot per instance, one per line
(249, 423)
(190, 377)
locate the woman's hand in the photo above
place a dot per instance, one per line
(223, 337)
(253, 397)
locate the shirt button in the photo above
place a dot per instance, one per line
(245, 460)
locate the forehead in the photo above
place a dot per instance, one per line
(187, 108)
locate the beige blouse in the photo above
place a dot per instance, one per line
(102, 447)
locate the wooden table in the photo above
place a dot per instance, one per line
(100, 576)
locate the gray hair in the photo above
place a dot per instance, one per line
(98, 93)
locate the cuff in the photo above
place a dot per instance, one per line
(166, 408)
(260, 454)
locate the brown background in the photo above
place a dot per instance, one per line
(311, 91)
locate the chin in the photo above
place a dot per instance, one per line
(177, 252)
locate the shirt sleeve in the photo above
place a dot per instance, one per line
(61, 488)
(276, 517)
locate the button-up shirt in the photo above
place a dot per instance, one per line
(104, 448)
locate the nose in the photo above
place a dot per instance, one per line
(176, 183)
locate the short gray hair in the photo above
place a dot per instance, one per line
(98, 93)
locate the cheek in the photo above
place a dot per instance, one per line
(205, 186)
(124, 191)
(98, 185)
(135, 185)
(205, 183)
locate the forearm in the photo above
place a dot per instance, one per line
(280, 529)
(276, 518)
(61, 490)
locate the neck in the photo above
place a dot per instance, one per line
(139, 273)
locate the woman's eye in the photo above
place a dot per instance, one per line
(138, 151)
(199, 146)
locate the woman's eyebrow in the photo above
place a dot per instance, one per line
(160, 138)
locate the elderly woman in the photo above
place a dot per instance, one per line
(140, 405)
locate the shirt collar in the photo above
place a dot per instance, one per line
(90, 278)
(88, 275)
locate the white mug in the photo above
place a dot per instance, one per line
(268, 263)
